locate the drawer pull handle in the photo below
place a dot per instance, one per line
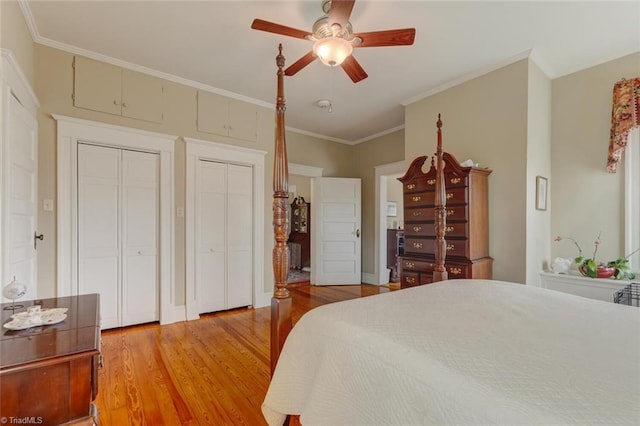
(455, 180)
(450, 228)
(449, 195)
(455, 271)
(417, 228)
(431, 182)
(417, 245)
(417, 213)
(411, 280)
(450, 247)
(410, 265)
(411, 186)
(449, 212)
(416, 198)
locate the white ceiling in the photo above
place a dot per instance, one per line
(210, 44)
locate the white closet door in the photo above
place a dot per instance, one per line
(211, 236)
(99, 228)
(118, 233)
(240, 241)
(139, 214)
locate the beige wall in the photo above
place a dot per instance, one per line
(54, 87)
(485, 119)
(15, 36)
(538, 164)
(303, 186)
(366, 156)
(585, 198)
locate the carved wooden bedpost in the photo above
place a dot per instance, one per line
(281, 300)
(440, 272)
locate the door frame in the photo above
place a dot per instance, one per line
(197, 150)
(71, 132)
(380, 274)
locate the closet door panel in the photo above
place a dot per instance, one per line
(140, 299)
(99, 228)
(240, 265)
(211, 236)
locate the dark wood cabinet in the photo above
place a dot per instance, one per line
(467, 230)
(301, 229)
(395, 244)
(49, 374)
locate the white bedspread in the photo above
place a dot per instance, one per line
(461, 352)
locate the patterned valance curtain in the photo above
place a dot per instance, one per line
(624, 117)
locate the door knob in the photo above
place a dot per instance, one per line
(358, 233)
(37, 237)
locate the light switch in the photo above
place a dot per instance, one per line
(48, 205)
(180, 212)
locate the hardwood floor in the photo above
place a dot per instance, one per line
(211, 371)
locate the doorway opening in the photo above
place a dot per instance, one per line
(389, 221)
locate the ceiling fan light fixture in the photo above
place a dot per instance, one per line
(332, 51)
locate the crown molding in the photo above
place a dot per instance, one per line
(379, 134)
(319, 136)
(29, 20)
(536, 57)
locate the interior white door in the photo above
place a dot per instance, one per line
(99, 260)
(224, 236)
(140, 291)
(335, 231)
(118, 206)
(240, 235)
(211, 235)
(20, 198)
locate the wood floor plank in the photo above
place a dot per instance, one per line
(212, 371)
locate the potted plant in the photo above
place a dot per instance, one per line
(589, 267)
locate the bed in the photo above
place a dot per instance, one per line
(452, 352)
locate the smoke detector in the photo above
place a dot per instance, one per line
(325, 103)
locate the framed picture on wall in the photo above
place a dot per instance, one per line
(541, 193)
(392, 209)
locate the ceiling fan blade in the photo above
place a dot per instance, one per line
(270, 27)
(299, 64)
(353, 69)
(340, 11)
(400, 37)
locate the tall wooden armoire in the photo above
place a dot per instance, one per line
(467, 230)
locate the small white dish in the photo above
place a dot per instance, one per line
(24, 320)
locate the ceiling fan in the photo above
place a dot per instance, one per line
(334, 39)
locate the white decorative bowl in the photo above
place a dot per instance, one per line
(561, 265)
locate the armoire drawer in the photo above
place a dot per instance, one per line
(453, 196)
(410, 279)
(427, 246)
(422, 266)
(427, 214)
(453, 229)
(417, 265)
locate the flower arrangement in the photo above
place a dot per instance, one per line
(618, 269)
